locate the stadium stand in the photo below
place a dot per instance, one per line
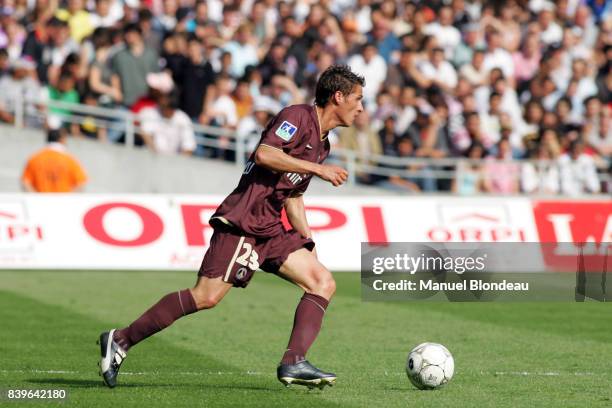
(465, 96)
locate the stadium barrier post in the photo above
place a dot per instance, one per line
(19, 110)
(129, 130)
(351, 167)
(240, 150)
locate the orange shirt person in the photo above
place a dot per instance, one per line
(53, 169)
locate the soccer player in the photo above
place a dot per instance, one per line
(249, 235)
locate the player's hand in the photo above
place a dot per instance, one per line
(334, 174)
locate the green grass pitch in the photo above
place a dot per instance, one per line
(506, 354)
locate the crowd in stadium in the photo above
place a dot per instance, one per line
(468, 79)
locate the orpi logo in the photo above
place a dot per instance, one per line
(17, 231)
(475, 223)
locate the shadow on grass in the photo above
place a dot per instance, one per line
(72, 383)
(76, 383)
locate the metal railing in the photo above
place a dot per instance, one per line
(28, 112)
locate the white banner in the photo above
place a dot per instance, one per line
(172, 232)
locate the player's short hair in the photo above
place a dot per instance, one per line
(54, 135)
(333, 79)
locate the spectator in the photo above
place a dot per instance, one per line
(102, 16)
(469, 176)
(158, 83)
(407, 109)
(443, 30)
(373, 67)
(152, 37)
(496, 56)
(4, 63)
(90, 123)
(501, 173)
(437, 72)
(398, 76)
(102, 82)
(540, 174)
(364, 142)
(285, 91)
(20, 85)
(430, 139)
(251, 126)
(242, 99)
(194, 80)
(474, 71)
(384, 39)
(64, 92)
(132, 64)
(463, 52)
(59, 48)
(298, 46)
(79, 20)
(167, 129)
(53, 169)
(551, 32)
(527, 60)
(578, 171)
(597, 130)
(244, 51)
(221, 112)
(404, 148)
(12, 35)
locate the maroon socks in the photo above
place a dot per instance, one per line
(306, 326)
(171, 307)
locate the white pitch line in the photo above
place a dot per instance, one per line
(540, 374)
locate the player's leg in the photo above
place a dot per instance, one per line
(204, 295)
(305, 270)
(114, 344)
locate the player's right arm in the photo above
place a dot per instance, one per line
(276, 160)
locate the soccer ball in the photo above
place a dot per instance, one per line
(430, 366)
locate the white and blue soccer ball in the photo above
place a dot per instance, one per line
(430, 366)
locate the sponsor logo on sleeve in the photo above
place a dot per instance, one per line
(286, 131)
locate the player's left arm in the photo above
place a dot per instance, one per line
(296, 214)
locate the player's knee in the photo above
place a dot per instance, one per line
(323, 283)
(205, 300)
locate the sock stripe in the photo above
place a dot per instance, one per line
(311, 300)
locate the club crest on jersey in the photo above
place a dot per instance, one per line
(286, 131)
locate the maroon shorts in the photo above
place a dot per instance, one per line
(235, 256)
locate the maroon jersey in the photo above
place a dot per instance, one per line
(255, 205)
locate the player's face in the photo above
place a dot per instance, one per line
(350, 106)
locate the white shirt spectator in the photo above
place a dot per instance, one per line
(553, 34)
(474, 76)
(444, 73)
(375, 71)
(405, 117)
(448, 37)
(243, 55)
(226, 105)
(27, 89)
(108, 20)
(170, 136)
(249, 130)
(363, 16)
(586, 88)
(501, 59)
(578, 176)
(540, 178)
